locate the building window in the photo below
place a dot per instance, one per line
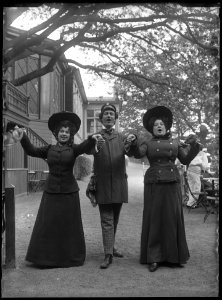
(31, 88)
(93, 123)
(90, 113)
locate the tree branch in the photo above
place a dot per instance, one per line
(183, 18)
(22, 37)
(192, 40)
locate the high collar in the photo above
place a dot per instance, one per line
(162, 137)
(62, 145)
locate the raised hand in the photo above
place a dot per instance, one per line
(13, 134)
(191, 139)
(99, 141)
(130, 138)
(17, 133)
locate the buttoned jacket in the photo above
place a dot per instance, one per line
(60, 160)
(162, 153)
(110, 170)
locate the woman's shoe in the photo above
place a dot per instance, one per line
(153, 267)
(107, 261)
(173, 265)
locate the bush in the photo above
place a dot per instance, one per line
(82, 167)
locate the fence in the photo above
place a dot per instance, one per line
(8, 228)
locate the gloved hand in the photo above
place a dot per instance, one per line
(191, 139)
(99, 141)
(17, 133)
(130, 140)
(13, 134)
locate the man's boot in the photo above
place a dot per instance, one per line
(116, 253)
(107, 261)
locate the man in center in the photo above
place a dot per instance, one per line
(111, 180)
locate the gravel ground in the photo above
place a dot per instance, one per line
(125, 277)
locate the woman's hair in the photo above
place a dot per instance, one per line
(72, 129)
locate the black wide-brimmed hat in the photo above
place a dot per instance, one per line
(157, 112)
(64, 116)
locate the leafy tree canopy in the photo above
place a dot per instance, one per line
(112, 30)
(159, 54)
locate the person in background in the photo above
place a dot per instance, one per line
(163, 238)
(111, 180)
(194, 171)
(57, 238)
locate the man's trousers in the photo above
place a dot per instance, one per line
(109, 216)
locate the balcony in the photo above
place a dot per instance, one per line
(14, 99)
(15, 104)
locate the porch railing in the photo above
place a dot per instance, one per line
(34, 163)
(14, 99)
(36, 139)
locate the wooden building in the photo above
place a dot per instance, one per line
(31, 104)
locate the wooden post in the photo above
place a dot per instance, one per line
(10, 227)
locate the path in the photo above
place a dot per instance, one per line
(125, 277)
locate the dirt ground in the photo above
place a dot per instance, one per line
(125, 277)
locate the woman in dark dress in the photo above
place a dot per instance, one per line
(57, 239)
(163, 238)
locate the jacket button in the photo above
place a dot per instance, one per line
(158, 160)
(159, 171)
(157, 149)
(171, 170)
(158, 141)
(171, 143)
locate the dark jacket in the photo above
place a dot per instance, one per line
(60, 161)
(162, 153)
(110, 170)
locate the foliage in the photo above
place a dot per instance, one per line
(176, 74)
(160, 54)
(110, 29)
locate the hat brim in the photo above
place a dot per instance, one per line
(63, 116)
(157, 111)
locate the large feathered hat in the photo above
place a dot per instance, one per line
(157, 112)
(56, 118)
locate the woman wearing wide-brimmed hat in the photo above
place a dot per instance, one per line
(58, 239)
(163, 238)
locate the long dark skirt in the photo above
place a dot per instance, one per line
(58, 239)
(163, 236)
